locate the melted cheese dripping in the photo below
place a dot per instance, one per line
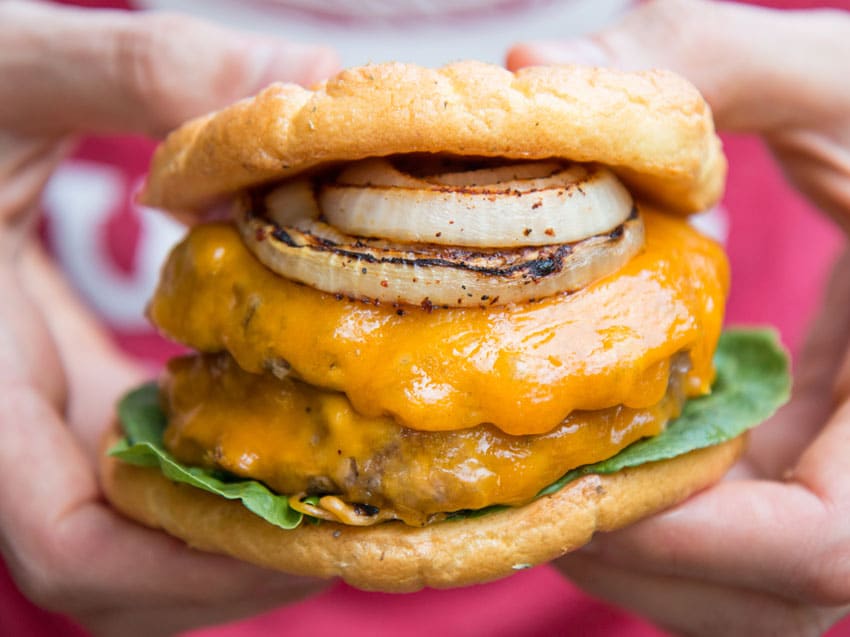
(523, 368)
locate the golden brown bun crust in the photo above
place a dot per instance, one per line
(653, 126)
(392, 557)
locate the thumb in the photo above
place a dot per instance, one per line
(760, 70)
(74, 70)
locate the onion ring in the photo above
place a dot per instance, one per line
(518, 204)
(433, 275)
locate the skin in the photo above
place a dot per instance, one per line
(766, 552)
(65, 73)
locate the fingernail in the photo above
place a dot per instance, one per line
(325, 63)
(581, 51)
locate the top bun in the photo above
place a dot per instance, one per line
(653, 128)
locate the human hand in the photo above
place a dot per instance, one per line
(67, 72)
(766, 552)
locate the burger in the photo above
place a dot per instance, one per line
(454, 322)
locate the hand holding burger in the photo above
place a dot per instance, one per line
(766, 553)
(60, 373)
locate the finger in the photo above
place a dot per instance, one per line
(69, 552)
(96, 372)
(777, 444)
(816, 159)
(66, 549)
(760, 70)
(175, 618)
(694, 607)
(116, 71)
(823, 468)
(757, 535)
(25, 167)
(27, 354)
(115, 559)
(841, 386)
(795, 538)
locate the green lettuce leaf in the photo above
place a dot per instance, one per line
(752, 381)
(144, 423)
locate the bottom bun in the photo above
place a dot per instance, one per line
(392, 557)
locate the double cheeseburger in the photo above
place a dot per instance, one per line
(445, 305)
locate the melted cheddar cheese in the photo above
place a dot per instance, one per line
(300, 439)
(524, 368)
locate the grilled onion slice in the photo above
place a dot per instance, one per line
(518, 204)
(433, 275)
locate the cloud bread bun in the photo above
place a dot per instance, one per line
(393, 557)
(652, 127)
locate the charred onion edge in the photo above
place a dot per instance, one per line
(508, 283)
(537, 268)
